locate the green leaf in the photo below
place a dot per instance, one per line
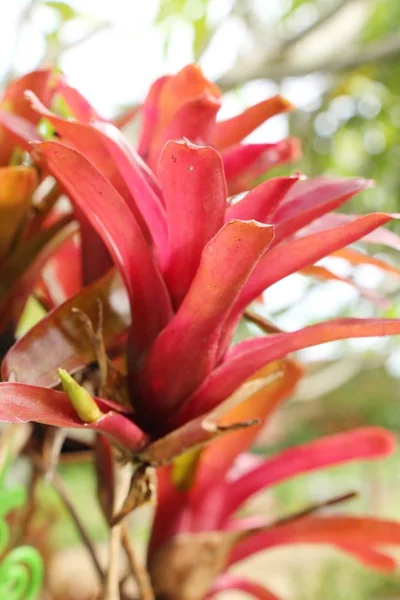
(65, 11)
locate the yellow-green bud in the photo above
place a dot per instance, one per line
(83, 403)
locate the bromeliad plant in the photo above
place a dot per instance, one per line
(171, 258)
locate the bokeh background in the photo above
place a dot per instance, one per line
(338, 61)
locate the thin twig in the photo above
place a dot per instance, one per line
(310, 510)
(56, 50)
(58, 485)
(324, 17)
(138, 570)
(381, 52)
(29, 508)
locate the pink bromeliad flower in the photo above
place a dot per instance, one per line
(191, 261)
(175, 257)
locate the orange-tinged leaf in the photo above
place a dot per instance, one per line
(193, 121)
(234, 130)
(150, 115)
(323, 273)
(178, 90)
(17, 185)
(258, 398)
(356, 258)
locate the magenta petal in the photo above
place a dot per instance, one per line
(136, 175)
(229, 582)
(185, 352)
(261, 202)
(96, 144)
(362, 444)
(238, 159)
(347, 533)
(245, 164)
(194, 190)
(289, 257)
(114, 222)
(310, 199)
(382, 236)
(249, 356)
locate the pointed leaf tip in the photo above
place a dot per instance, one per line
(83, 403)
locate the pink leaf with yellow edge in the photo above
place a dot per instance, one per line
(257, 399)
(20, 403)
(114, 222)
(265, 157)
(150, 115)
(310, 199)
(249, 356)
(358, 444)
(261, 202)
(194, 121)
(228, 582)
(185, 352)
(194, 190)
(289, 257)
(343, 532)
(234, 130)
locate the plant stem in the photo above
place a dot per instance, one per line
(58, 485)
(111, 590)
(310, 510)
(138, 570)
